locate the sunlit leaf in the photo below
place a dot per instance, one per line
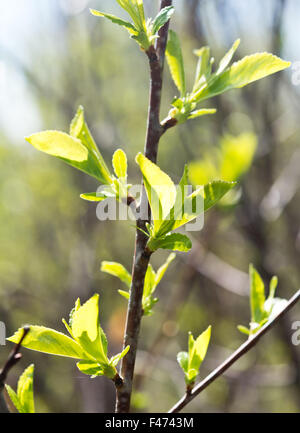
(174, 242)
(117, 270)
(249, 69)
(49, 341)
(160, 189)
(175, 61)
(120, 164)
(162, 18)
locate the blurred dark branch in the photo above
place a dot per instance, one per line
(241, 351)
(12, 360)
(142, 255)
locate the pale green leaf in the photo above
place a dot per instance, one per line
(120, 164)
(228, 57)
(203, 69)
(201, 112)
(69, 149)
(14, 398)
(257, 296)
(162, 270)
(175, 61)
(115, 20)
(183, 361)
(160, 189)
(49, 341)
(149, 283)
(25, 390)
(162, 18)
(243, 329)
(93, 196)
(125, 295)
(249, 69)
(90, 368)
(174, 242)
(79, 129)
(117, 270)
(86, 329)
(114, 361)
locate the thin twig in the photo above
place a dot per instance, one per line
(242, 350)
(12, 360)
(142, 255)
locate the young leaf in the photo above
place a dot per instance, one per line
(91, 368)
(70, 150)
(23, 399)
(246, 71)
(175, 62)
(120, 164)
(202, 112)
(117, 270)
(183, 361)
(162, 270)
(160, 189)
(25, 390)
(87, 332)
(79, 129)
(128, 26)
(47, 340)
(174, 242)
(93, 196)
(114, 361)
(224, 63)
(257, 296)
(162, 18)
(14, 398)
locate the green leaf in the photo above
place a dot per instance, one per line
(90, 368)
(162, 270)
(175, 62)
(135, 9)
(257, 296)
(199, 349)
(202, 112)
(87, 332)
(203, 69)
(243, 329)
(79, 129)
(47, 340)
(114, 361)
(162, 18)
(120, 164)
(69, 149)
(224, 63)
(125, 295)
(249, 69)
(115, 20)
(160, 189)
(175, 242)
(93, 196)
(14, 398)
(25, 390)
(183, 360)
(149, 283)
(117, 270)
(214, 191)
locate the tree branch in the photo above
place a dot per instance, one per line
(13, 358)
(242, 350)
(142, 255)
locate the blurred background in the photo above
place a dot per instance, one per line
(54, 56)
